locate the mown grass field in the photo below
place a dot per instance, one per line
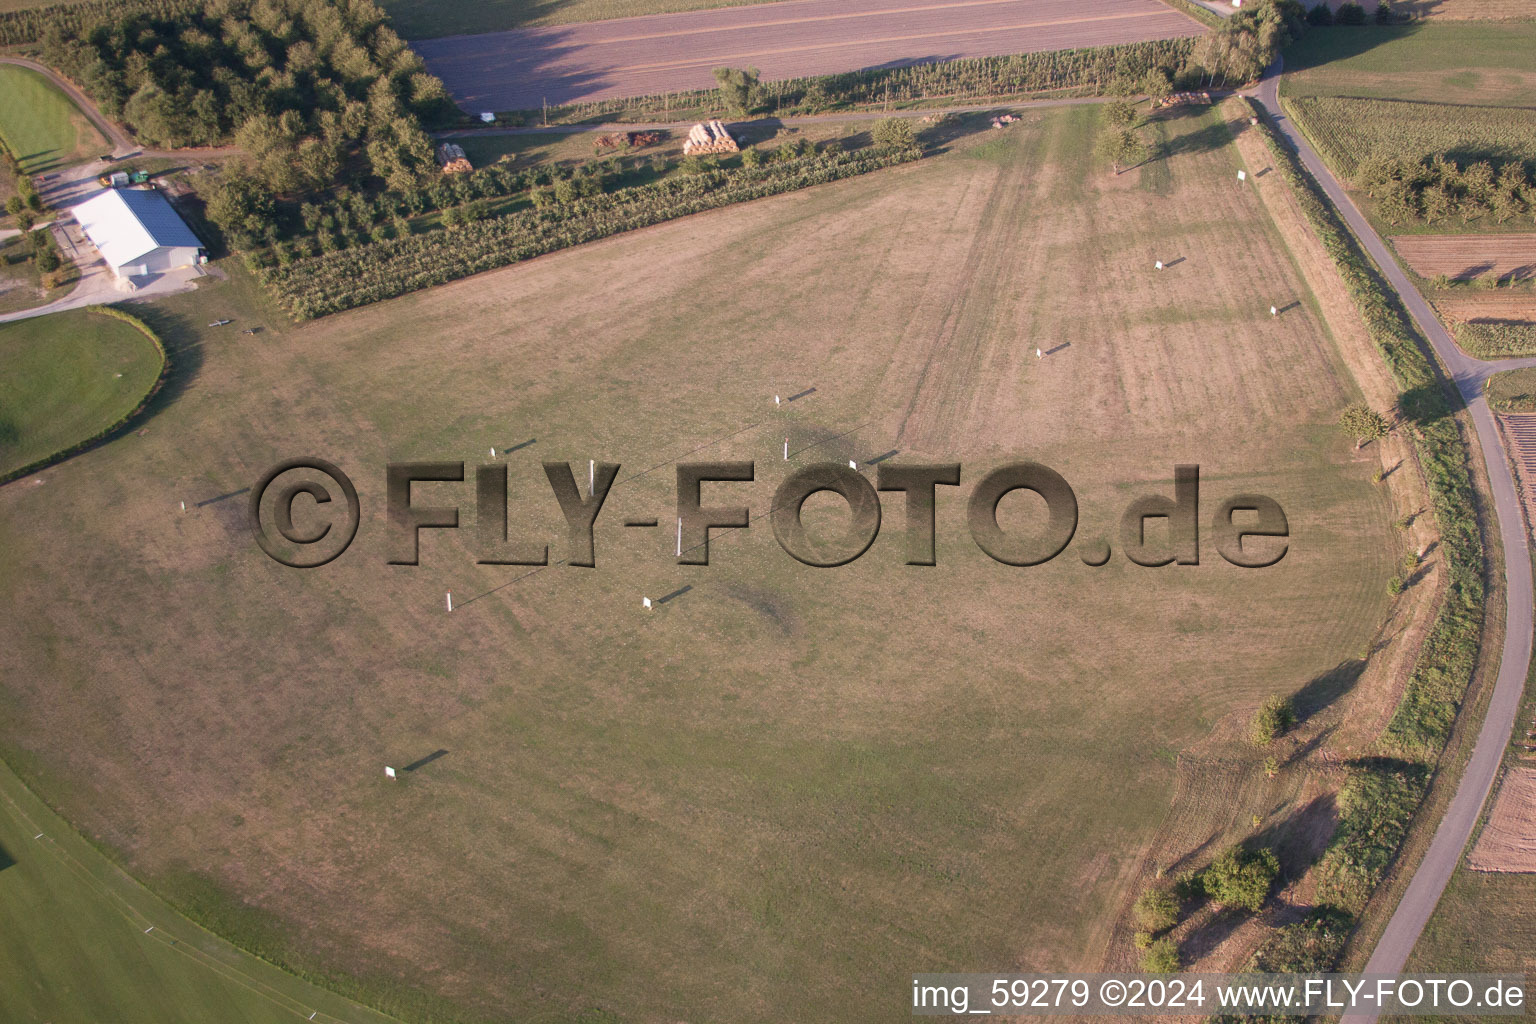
(787, 787)
(1455, 64)
(68, 375)
(39, 123)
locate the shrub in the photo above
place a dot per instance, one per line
(751, 157)
(1273, 719)
(1162, 957)
(1384, 15)
(1362, 423)
(48, 261)
(894, 133)
(1350, 14)
(1240, 879)
(1320, 14)
(1157, 909)
(1142, 939)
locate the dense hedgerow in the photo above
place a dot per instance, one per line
(1383, 793)
(328, 283)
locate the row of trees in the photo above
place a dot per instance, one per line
(1437, 189)
(1241, 49)
(312, 90)
(1119, 141)
(331, 282)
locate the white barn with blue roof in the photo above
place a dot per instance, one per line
(137, 232)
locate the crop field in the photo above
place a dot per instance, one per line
(39, 123)
(1463, 257)
(67, 376)
(1468, 64)
(1349, 132)
(775, 794)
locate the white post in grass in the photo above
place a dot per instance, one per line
(183, 506)
(1273, 311)
(852, 464)
(1158, 265)
(389, 773)
(679, 536)
(775, 401)
(493, 453)
(645, 603)
(591, 476)
(786, 449)
(1242, 175)
(1039, 354)
(450, 600)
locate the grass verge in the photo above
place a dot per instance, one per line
(1378, 800)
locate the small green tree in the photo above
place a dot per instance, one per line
(48, 261)
(1162, 957)
(894, 133)
(1122, 147)
(1384, 15)
(1157, 909)
(1362, 423)
(1273, 719)
(25, 220)
(1240, 879)
(740, 90)
(1119, 113)
(13, 205)
(1320, 14)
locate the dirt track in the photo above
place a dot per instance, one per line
(661, 53)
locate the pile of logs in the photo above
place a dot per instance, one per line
(453, 160)
(1181, 98)
(709, 137)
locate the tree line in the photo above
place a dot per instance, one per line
(315, 91)
(1438, 188)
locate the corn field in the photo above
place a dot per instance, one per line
(1352, 132)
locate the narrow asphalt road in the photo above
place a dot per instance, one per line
(1429, 881)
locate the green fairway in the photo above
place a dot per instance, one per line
(83, 942)
(40, 125)
(67, 377)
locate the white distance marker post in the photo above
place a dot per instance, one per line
(775, 401)
(450, 600)
(1273, 311)
(679, 536)
(183, 506)
(1242, 175)
(786, 449)
(1039, 354)
(493, 453)
(591, 476)
(1158, 265)
(852, 464)
(645, 603)
(389, 773)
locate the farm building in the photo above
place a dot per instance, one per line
(138, 232)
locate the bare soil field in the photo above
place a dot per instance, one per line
(522, 69)
(786, 786)
(1463, 257)
(1508, 839)
(1497, 304)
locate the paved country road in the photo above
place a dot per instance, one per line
(521, 69)
(1429, 881)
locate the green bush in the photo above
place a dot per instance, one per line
(1273, 719)
(1157, 909)
(1494, 339)
(1350, 14)
(1240, 879)
(1161, 957)
(894, 133)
